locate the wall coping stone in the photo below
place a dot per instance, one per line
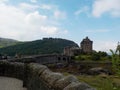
(37, 77)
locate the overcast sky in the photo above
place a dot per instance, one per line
(27, 20)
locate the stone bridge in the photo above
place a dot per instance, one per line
(39, 77)
(44, 59)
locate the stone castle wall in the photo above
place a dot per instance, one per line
(39, 77)
(86, 46)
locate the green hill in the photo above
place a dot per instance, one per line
(4, 42)
(44, 46)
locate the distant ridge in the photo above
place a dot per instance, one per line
(44, 46)
(4, 42)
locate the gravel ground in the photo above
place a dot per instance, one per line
(7, 83)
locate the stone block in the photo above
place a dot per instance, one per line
(65, 81)
(78, 86)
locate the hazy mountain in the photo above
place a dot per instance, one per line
(4, 42)
(44, 46)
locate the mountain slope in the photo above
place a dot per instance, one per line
(44, 46)
(4, 42)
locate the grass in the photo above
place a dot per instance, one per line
(101, 82)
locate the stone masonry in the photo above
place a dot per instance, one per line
(39, 77)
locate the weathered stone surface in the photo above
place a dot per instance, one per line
(78, 86)
(39, 77)
(65, 81)
(98, 70)
(37, 68)
(45, 74)
(34, 81)
(12, 69)
(51, 78)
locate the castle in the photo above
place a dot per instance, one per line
(86, 46)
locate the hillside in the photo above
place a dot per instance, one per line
(44, 46)
(4, 42)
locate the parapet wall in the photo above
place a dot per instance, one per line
(12, 69)
(39, 77)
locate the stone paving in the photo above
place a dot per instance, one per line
(7, 83)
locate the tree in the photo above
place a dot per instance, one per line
(95, 56)
(102, 54)
(116, 59)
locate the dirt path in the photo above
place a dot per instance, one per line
(7, 83)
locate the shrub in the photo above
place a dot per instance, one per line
(116, 60)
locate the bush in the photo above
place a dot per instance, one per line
(116, 60)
